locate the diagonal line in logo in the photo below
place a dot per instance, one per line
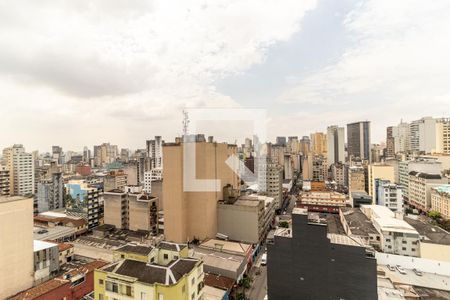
(241, 170)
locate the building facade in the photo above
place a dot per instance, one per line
(440, 200)
(335, 144)
(358, 140)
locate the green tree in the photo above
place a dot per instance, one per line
(436, 216)
(283, 224)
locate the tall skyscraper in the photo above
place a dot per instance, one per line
(193, 214)
(319, 143)
(401, 135)
(305, 145)
(21, 170)
(390, 142)
(281, 140)
(335, 142)
(50, 192)
(358, 140)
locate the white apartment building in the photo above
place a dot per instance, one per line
(397, 236)
(149, 177)
(390, 195)
(401, 136)
(419, 189)
(21, 167)
(154, 152)
(270, 181)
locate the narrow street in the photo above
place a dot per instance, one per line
(259, 285)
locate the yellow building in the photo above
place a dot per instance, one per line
(440, 200)
(379, 171)
(190, 209)
(182, 279)
(319, 143)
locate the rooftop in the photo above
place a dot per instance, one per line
(218, 281)
(226, 246)
(445, 189)
(358, 222)
(428, 232)
(50, 285)
(334, 224)
(171, 246)
(41, 245)
(136, 249)
(152, 273)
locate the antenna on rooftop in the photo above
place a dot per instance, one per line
(185, 123)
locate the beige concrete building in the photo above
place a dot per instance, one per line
(419, 188)
(356, 179)
(116, 179)
(21, 170)
(319, 143)
(443, 136)
(270, 181)
(191, 211)
(16, 245)
(379, 171)
(131, 209)
(440, 200)
(247, 219)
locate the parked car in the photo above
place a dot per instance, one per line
(400, 270)
(391, 268)
(418, 272)
(264, 259)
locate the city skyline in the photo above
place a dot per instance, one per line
(102, 73)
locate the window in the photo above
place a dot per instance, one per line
(100, 296)
(404, 248)
(166, 256)
(183, 289)
(143, 296)
(122, 255)
(128, 290)
(193, 281)
(403, 242)
(175, 257)
(100, 281)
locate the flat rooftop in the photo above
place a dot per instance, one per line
(41, 245)
(358, 222)
(430, 233)
(136, 249)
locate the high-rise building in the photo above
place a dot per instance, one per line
(390, 142)
(356, 179)
(293, 145)
(335, 142)
(50, 193)
(85, 200)
(4, 181)
(131, 209)
(116, 179)
(155, 153)
(401, 135)
(443, 136)
(21, 170)
(270, 181)
(305, 145)
(16, 245)
(319, 143)
(419, 189)
(105, 154)
(190, 207)
(281, 140)
(358, 140)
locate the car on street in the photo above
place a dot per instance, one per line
(264, 259)
(417, 272)
(400, 269)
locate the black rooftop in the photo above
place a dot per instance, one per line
(138, 249)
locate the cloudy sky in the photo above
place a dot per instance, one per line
(75, 73)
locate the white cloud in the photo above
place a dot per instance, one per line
(126, 64)
(397, 63)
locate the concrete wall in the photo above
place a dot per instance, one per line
(113, 209)
(435, 251)
(239, 223)
(16, 246)
(193, 214)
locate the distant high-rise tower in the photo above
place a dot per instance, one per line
(390, 142)
(358, 140)
(319, 143)
(281, 140)
(335, 142)
(21, 170)
(154, 152)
